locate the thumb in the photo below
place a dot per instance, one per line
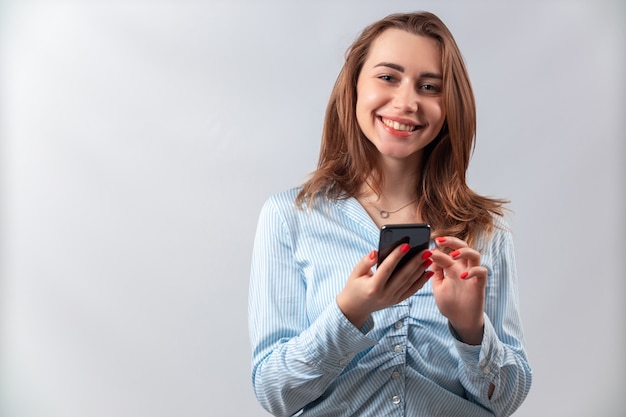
(438, 273)
(365, 265)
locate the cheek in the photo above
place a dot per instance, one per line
(442, 116)
(363, 110)
(366, 105)
(438, 114)
(367, 96)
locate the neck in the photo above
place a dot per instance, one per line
(397, 196)
(399, 183)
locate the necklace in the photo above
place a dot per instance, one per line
(385, 213)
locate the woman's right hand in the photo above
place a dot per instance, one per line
(367, 291)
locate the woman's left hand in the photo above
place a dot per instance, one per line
(459, 283)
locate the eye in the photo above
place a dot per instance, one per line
(386, 77)
(430, 88)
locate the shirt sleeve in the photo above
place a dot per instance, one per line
(501, 358)
(293, 361)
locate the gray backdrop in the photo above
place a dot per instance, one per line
(139, 140)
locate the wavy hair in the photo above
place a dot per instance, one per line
(347, 159)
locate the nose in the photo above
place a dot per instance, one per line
(406, 98)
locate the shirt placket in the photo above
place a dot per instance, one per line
(398, 337)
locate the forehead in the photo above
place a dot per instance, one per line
(405, 48)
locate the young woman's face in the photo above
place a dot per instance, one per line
(399, 104)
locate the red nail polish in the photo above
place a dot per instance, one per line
(464, 275)
(440, 239)
(405, 248)
(455, 253)
(427, 254)
(427, 263)
(372, 254)
(430, 274)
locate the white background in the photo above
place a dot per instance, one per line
(140, 139)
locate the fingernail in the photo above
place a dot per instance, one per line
(373, 254)
(426, 254)
(440, 239)
(430, 274)
(427, 263)
(464, 275)
(455, 253)
(405, 248)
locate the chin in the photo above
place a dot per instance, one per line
(400, 155)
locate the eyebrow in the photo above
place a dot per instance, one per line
(400, 68)
(391, 65)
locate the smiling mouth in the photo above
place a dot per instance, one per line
(399, 126)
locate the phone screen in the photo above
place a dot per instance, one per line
(393, 235)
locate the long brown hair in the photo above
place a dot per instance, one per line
(347, 159)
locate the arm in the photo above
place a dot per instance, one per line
(294, 360)
(501, 359)
(493, 369)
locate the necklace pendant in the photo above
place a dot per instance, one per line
(384, 214)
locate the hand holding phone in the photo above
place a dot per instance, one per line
(393, 235)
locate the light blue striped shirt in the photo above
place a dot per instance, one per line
(405, 361)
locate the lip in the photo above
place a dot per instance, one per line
(400, 120)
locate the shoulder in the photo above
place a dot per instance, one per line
(282, 216)
(283, 198)
(285, 202)
(282, 207)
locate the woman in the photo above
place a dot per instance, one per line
(334, 335)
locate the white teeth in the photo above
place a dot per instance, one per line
(397, 126)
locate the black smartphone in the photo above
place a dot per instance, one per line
(393, 235)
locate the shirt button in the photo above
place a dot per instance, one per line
(398, 348)
(395, 374)
(399, 325)
(343, 362)
(395, 399)
(486, 369)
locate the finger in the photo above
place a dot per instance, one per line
(434, 267)
(417, 285)
(441, 259)
(412, 262)
(468, 254)
(450, 242)
(479, 273)
(390, 262)
(404, 278)
(365, 265)
(437, 269)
